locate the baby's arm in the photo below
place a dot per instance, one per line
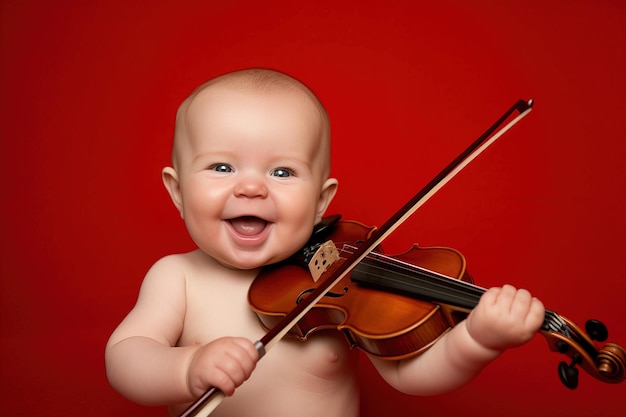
(142, 360)
(504, 318)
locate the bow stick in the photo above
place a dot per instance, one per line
(208, 401)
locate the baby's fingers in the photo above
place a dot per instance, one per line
(246, 356)
(237, 366)
(520, 303)
(536, 315)
(224, 363)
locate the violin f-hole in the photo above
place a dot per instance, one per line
(303, 294)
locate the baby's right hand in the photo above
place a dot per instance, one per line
(224, 363)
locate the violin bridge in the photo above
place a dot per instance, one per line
(325, 255)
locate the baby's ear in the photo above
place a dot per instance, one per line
(172, 184)
(329, 189)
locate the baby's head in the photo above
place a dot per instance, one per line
(253, 81)
(251, 161)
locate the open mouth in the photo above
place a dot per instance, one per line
(248, 225)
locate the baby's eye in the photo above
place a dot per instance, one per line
(282, 172)
(221, 168)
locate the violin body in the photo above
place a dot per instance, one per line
(393, 327)
(395, 307)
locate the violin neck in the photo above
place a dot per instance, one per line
(387, 274)
(410, 280)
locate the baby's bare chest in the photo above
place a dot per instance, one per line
(215, 311)
(320, 370)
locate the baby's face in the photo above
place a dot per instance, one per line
(252, 168)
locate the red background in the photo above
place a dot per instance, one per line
(88, 92)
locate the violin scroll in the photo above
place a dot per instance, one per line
(611, 362)
(607, 364)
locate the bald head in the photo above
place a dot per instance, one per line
(253, 81)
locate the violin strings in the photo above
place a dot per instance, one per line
(422, 282)
(554, 323)
(393, 274)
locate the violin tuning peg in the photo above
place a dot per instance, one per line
(596, 330)
(568, 375)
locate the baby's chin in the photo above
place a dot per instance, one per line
(240, 266)
(249, 263)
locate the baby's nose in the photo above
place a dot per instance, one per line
(251, 186)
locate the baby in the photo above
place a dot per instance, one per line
(250, 177)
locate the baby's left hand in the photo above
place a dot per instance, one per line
(505, 317)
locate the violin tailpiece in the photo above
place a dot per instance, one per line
(325, 255)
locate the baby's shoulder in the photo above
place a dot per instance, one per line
(182, 262)
(195, 273)
(178, 267)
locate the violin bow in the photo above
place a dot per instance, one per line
(207, 402)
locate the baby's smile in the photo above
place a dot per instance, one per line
(248, 225)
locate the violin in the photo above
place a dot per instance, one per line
(447, 290)
(394, 307)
